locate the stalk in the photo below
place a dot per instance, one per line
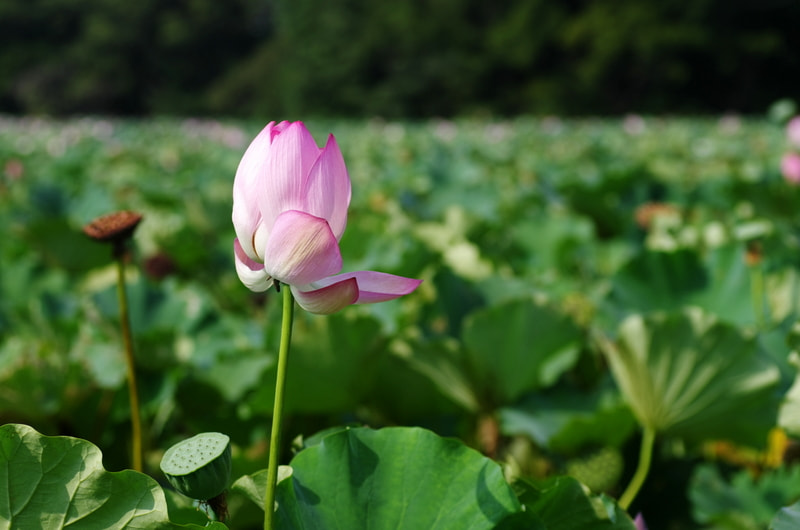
(277, 413)
(645, 457)
(136, 422)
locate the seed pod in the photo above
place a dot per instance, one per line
(199, 467)
(115, 228)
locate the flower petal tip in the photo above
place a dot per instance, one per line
(328, 299)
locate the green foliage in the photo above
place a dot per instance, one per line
(533, 236)
(60, 482)
(517, 347)
(787, 518)
(106, 57)
(565, 421)
(742, 501)
(690, 376)
(666, 281)
(379, 479)
(563, 503)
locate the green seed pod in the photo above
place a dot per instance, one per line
(199, 467)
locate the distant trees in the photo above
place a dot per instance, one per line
(410, 58)
(68, 56)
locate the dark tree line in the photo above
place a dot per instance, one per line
(402, 58)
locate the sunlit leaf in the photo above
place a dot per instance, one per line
(389, 478)
(60, 482)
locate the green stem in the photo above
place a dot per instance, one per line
(645, 456)
(757, 292)
(136, 422)
(277, 413)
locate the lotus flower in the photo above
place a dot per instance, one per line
(790, 167)
(290, 201)
(793, 131)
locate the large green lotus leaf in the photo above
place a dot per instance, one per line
(396, 477)
(787, 518)
(563, 503)
(329, 364)
(519, 346)
(749, 502)
(718, 282)
(689, 375)
(420, 379)
(60, 482)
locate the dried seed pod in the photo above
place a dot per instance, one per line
(114, 227)
(200, 466)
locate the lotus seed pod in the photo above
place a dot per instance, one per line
(199, 467)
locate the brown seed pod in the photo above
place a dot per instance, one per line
(114, 227)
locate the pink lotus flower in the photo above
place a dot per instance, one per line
(290, 201)
(793, 131)
(790, 167)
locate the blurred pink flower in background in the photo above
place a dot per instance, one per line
(290, 201)
(790, 167)
(639, 522)
(793, 131)
(634, 124)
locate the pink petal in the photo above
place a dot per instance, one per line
(375, 286)
(252, 162)
(251, 273)
(249, 176)
(328, 299)
(790, 167)
(292, 154)
(301, 249)
(245, 222)
(327, 192)
(793, 131)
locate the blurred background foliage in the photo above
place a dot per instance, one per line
(542, 242)
(399, 59)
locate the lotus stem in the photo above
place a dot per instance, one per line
(757, 292)
(645, 457)
(133, 393)
(277, 412)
